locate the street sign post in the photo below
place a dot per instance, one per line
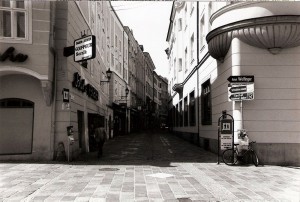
(225, 132)
(241, 79)
(238, 91)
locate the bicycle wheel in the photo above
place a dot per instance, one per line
(254, 158)
(228, 159)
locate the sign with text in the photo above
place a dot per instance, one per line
(85, 48)
(226, 126)
(66, 94)
(241, 88)
(241, 79)
(241, 96)
(226, 141)
(240, 91)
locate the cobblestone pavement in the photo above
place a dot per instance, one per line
(147, 167)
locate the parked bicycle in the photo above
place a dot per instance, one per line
(231, 156)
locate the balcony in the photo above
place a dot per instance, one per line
(267, 25)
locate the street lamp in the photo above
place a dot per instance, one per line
(126, 92)
(108, 75)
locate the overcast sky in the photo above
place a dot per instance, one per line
(149, 21)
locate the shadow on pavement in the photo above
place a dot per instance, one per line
(147, 148)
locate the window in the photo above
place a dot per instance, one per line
(206, 103)
(192, 8)
(202, 33)
(185, 17)
(192, 109)
(192, 48)
(185, 111)
(185, 59)
(179, 24)
(112, 60)
(179, 64)
(14, 21)
(175, 68)
(209, 15)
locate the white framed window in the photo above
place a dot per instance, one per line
(15, 22)
(185, 59)
(180, 64)
(202, 32)
(192, 48)
(179, 24)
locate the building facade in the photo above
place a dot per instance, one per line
(164, 97)
(259, 39)
(49, 102)
(149, 100)
(27, 77)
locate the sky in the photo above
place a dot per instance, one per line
(149, 21)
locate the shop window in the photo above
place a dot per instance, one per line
(206, 103)
(15, 21)
(186, 111)
(192, 109)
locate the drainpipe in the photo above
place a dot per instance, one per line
(198, 100)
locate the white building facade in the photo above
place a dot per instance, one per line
(260, 39)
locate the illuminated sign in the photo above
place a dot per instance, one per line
(85, 48)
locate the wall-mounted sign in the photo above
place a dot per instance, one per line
(241, 79)
(240, 88)
(66, 95)
(9, 54)
(85, 48)
(88, 88)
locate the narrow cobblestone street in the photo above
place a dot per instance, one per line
(147, 167)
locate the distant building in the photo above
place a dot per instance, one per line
(211, 41)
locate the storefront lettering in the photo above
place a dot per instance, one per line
(80, 85)
(9, 53)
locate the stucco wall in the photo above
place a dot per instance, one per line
(29, 88)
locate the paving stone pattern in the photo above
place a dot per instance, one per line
(147, 167)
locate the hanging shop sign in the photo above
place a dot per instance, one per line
(87, 88)
(85, 48)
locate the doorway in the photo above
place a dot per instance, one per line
(81, 140)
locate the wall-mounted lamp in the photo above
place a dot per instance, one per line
(126, 92)
(108, 75)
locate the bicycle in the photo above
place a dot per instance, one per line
(245, 156)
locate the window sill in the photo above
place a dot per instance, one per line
(11, 40)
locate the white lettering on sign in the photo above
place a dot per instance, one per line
(226, 126)
(84, 48)
(66, 95)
